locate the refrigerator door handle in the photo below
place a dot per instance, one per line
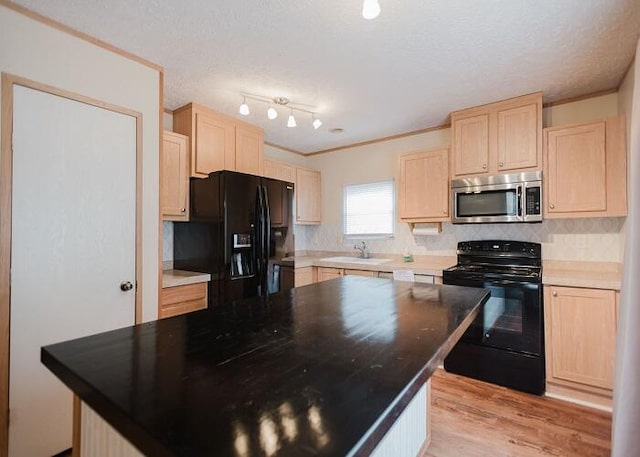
(267, 224)
(257, 243)
(264, 279)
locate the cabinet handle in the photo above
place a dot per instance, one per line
(484, 166)
(552, 206)
(182, 210)
(501, 164)
(554, 293)
(444, 211)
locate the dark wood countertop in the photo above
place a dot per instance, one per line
(324, 369)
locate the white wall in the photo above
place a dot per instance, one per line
(571, 239)
(272, 152)
(32, 50)
(625, 104)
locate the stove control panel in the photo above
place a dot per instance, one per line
(495, 248)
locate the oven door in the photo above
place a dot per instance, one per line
(490, 203)
(512, 317)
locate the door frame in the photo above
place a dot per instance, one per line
(6, 180)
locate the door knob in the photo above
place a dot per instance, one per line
(554, 293)
(501, 164)
(182, 210)
(126, 286)
(552, 206)
(484, 166)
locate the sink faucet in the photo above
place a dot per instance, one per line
(362, 247)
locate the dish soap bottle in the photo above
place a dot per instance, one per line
(407, 257)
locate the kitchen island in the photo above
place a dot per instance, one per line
(325, 369)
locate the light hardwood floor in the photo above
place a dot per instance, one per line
(473, 418)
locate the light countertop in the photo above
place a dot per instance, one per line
(173, 278)
(423, 265)
(593, 275)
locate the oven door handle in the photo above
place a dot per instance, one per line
(505, 282)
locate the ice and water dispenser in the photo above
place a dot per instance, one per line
(242, 256)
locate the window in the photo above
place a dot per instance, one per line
(369, 209)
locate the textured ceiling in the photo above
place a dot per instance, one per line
(404, 71)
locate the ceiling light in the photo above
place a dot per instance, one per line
(370, 9)
(272, 113)
(292, 120)
(316, 122)
(244, 108)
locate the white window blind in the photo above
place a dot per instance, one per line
(369, 209)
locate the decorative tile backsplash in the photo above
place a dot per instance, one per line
(167, 241)
(599, 240)
(562, 239)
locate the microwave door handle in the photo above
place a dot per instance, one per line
(520, 194)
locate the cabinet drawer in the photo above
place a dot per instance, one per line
(366, 273)
(182, 299)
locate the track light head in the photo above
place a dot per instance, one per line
(244, 108)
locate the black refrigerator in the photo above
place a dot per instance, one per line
(240, 230)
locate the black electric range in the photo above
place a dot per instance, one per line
(505, 344)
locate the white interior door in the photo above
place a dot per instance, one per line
(73, 243)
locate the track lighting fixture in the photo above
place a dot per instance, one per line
(370, 9)
(292, 120)
(244, 108)
(272, 113)
(316, 122)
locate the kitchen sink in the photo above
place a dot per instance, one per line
(371, 261)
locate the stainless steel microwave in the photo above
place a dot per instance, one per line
(513, 197)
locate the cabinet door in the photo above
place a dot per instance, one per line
(576, 169)
(424, 186)
(305, 276)
(580, 330)
(518, 138)
(586, 170)
(215, 146)
(471, 145)
(175, 177)
(325, 274)
(249, 150)
(308, 200)
(279, 170)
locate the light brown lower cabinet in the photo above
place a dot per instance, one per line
(580, 340)
(287, 278)
(325, 274)
(365, 273)
(182, 299)
(305, 276)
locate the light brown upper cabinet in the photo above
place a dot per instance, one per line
(174, 191)
(423, 188)
(219, 142)
(580, 338)
(249, 149)
(279, 170)
(501, 137)
(308, 200)
(585, 170)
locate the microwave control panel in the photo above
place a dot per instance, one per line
(533, 200)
